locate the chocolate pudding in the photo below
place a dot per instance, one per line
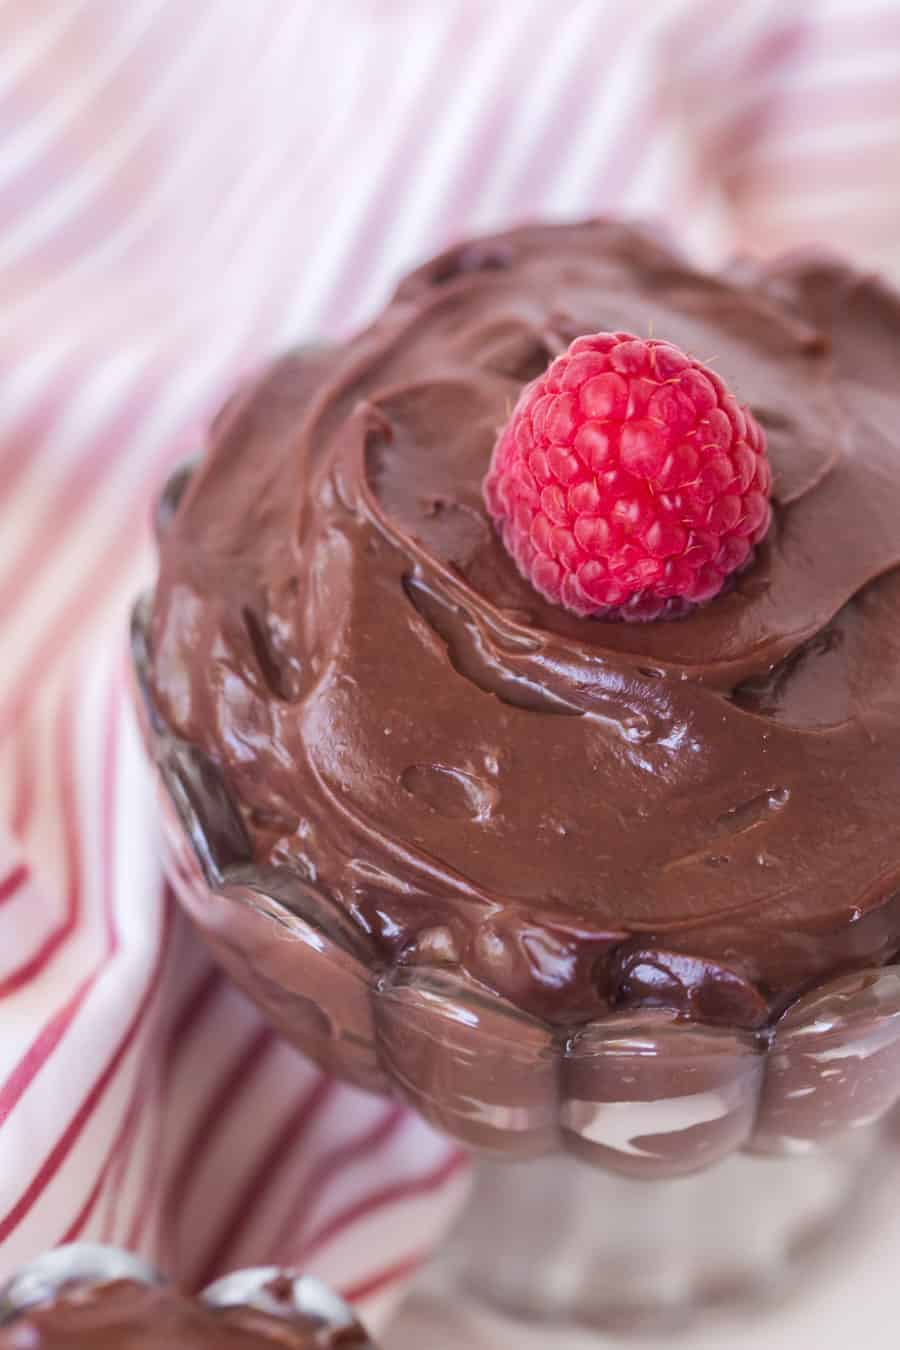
(127, 1315)
(581, 814)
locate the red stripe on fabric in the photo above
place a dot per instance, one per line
(383, 1279)
(876, 221)
(89, 596)
(32, 966)
(363, 1145)
(41, 1049)
(52, 30)
(36, 963)
(332, 1162)
(625, 159)
(874, 166)
(795, 48)
(287, 1139)
(123, 1159)
(99, 100)
(147, 1205)
(116, 1152)
(55, 1029)
(579, 90)
(785, 112)
(878, 29)
(108, 819)
(20, 442)
(382, 1199)
(195, 1006)
(23, 792)
(29, 970)
(112, 196)
(120, 1148)
(198, 1003)
(461, 197)
(700, 19)
(61, 1150)
(249, 1061)
(382, 208)
(108, 804)
(13, 881)
(73, 860)
(123, 243)
(81, 1218)
(82, 481)
(775, 48)
(749, 46)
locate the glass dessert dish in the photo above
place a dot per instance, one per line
(86, 1294)
(399, 790)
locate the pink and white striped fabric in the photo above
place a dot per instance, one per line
(184, 188)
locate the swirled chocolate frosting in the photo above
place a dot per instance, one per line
(580, 813)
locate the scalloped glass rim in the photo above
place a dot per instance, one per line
(643, 1093)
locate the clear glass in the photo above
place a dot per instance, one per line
(581, 1114)
(553, 1241)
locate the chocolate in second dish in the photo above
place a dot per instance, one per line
(126, 1315)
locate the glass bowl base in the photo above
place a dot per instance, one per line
(555, 1242)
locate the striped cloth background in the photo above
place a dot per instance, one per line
(185, 186)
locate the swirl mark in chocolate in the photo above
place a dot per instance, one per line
(337, 626)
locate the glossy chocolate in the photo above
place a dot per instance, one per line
(128, 1315)
(578, 814)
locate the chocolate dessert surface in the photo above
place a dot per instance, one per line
(580, 815)
(131, 1315)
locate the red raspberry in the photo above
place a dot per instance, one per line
(629, 480)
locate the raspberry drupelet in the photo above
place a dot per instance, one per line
(628, 481)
